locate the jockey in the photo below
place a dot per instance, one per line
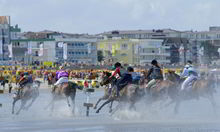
(185, 72)
(124, 80)
(62, 76)
(192, 76)
(117, 71)
(154, 75)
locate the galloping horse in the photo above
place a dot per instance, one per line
(51, 78)
(129, 94)
(200, 88)
(107, 89)
(65, 92)
(27, 93)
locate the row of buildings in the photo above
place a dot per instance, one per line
(131, 47)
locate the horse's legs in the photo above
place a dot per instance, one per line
(168, 104)
(132, 106)
(23, 102)
(100, 99)
(213, 102)
(110, 108)
(119, 106)
(72, 96)
(32, 101)
(13, 105)
(105, 103)
(68, 102)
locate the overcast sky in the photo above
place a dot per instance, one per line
(96, 16)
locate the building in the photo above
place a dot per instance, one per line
(52, 47)
(78, 50)
(134, 51)
(117, 50)
(148, 49)
(142, 34)
(4, 37)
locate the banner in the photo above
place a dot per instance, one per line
(64, 51)
(29, 49)
(48, 63)
(10, 50)
(41, 52)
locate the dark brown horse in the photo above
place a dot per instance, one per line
(129, 94)
(69, 91)
(108, 84)
(29, 92)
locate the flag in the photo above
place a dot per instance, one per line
(10, 50)
(41, 52)
(64, 51)
(29, 49)
(60, 44)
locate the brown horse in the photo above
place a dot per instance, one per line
(30, 92)
(107, 89)
(51, 78)
(129, 94)
(203, 87)
(65, 92)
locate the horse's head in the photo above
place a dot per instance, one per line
(37, 83)
(105, 78)
(172, 76)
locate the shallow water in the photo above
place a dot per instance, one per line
(194, 116)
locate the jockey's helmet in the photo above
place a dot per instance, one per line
(117, 64)
(130, 69)
(189, 62)
(154, 62)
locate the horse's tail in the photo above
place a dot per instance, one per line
(74, 85)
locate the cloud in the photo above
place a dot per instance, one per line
(95, 16)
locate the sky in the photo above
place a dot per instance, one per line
(97, 16)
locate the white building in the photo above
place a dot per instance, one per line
(149, 49)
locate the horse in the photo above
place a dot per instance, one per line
(51, 78)
(28, 92)
(202, 87)
(129, 94)
(64, 92)
(107, 89)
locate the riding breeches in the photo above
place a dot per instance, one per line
(61, 80)
(188, 81)
(151, 83)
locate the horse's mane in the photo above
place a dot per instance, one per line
(108, 74)
(177, 77)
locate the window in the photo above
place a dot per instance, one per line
(36, 53)
(124, 46)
